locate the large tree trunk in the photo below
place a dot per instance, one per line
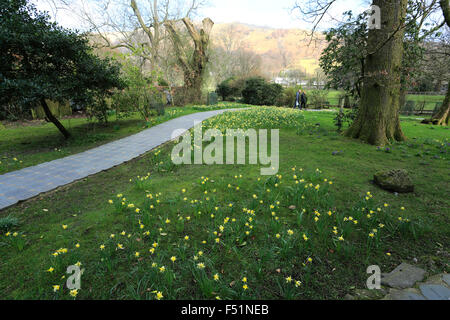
(378, 120)
(193, 67)
(441, 118)
(54, 120)
(193, 87)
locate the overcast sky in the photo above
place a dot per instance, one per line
(271, 13)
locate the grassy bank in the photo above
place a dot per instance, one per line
(225, 231)
(430, 100)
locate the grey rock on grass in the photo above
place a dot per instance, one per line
(404, 276)
(394, 181)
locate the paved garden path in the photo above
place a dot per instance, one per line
(30, 182)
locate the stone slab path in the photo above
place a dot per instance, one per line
(434, 288)
(29, 182)
(406, 282)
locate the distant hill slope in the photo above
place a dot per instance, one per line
(279, 48)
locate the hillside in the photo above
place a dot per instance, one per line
(279, 48)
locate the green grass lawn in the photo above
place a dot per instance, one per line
(333, 97)
(37, 142)
(225, 231)
(430, 100)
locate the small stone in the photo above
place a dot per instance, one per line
(415, 260)
(404, 276)
(394, 181)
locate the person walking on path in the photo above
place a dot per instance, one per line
(297, 100)
(303, 100)
(168, 97)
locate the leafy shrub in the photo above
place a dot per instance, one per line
(224, 89)
(153, 102)
(183, 96)
(48, 62)
(122, 104)
(98, 109)
(259, 92)
(231, 88)
(13, 112)
(162, 82)
(140, 95)
(7, 223)
(318, 98)
(345, 117)
(287, 99)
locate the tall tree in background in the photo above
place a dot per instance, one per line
(41, 61)
(385, 74)
(378, 119)
(418, 30)
(133, 25)
(441, 118)
(344, 58)
(194, 66)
